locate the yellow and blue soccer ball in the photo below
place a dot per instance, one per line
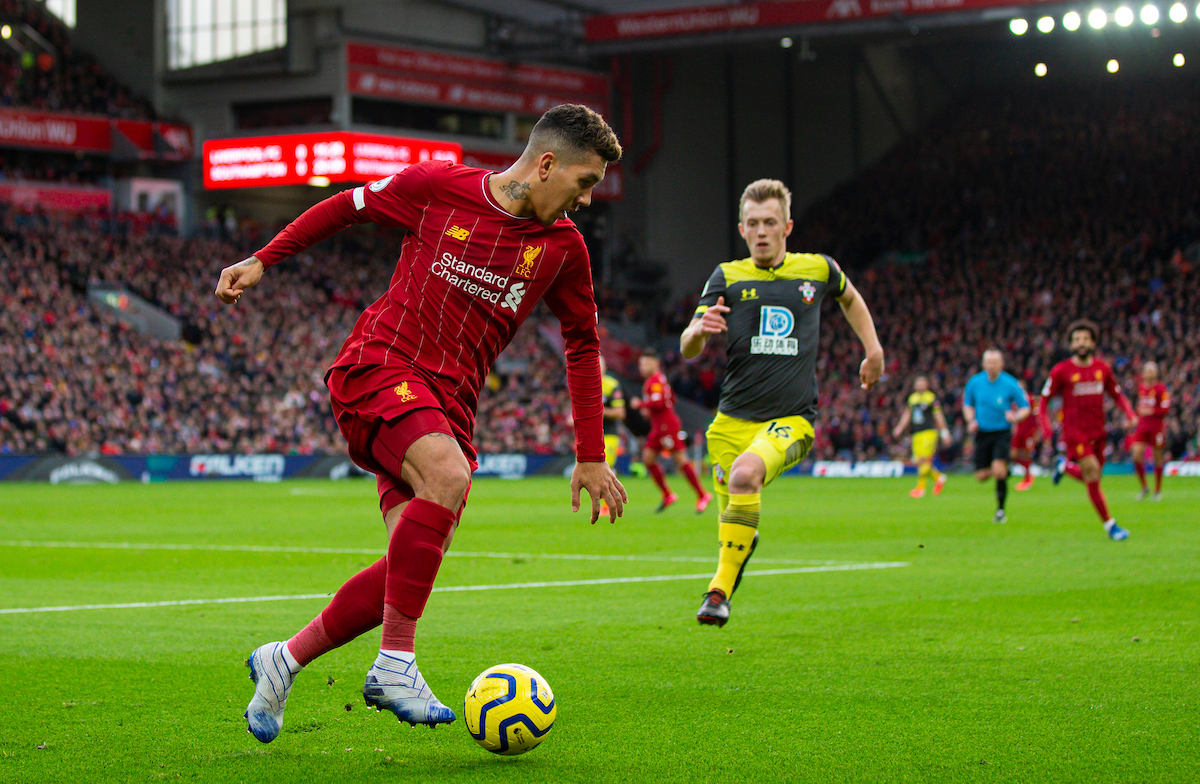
(510, 709)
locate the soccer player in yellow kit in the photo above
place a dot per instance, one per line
(924, 414)
(770, 306)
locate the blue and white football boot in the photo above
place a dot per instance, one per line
(272, 681)
(1116, 532)
(1060, 469)
(394, 683)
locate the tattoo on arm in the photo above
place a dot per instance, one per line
(516, 190)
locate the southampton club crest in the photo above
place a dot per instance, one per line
(808, 291)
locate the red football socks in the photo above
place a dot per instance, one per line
(1026, 465)
(1158, 472)
(414, 556)
(660, 478)
(1140, 468)
(357, 608)
(399, 631)
(689, 471)
(1074, 471)
(1098, 501)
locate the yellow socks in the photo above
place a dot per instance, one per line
(739, 524)
(923, 475)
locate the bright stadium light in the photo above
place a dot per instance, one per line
(1113, 66)
(786, 43)
(1071, 21)
(5, 32)
(1123, 16)
(1198, 10)
(1178, 60)
(1149, 14)
(1178, 13)
(1018, 26)
(1046, 24)
(1040, 69)
(1097, 18)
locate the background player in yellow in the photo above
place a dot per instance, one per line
(924, 414)
(614, 412)
(770, 306)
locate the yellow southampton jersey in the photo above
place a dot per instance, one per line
(613, 398)
(924, 406)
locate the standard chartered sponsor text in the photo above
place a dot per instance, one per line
(464, 275)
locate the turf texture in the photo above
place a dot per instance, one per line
(1032, 651)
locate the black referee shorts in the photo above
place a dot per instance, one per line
(992, 445)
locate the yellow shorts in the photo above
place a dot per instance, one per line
(924, 444)
(781, 443)
(612, 444)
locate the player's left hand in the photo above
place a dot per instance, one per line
(1131, 422)
(870, 371)
(601, 483)
(236, 279)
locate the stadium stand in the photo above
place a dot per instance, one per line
(59, 77)
(1011, 217)
(1014, 215)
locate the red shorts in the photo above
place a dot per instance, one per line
(381, 411)
(1154, 436)
(666, 438)
(1022, 441)
(1079, 449)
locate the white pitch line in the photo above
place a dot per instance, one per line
(250, 548)
(464, 588)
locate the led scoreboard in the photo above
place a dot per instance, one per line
(316, 158)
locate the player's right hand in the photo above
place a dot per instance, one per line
(713, 320)
(601, 483)
(973, 427)
(237, 278)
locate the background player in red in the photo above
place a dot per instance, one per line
(1082, 381)
(481, 249)
(1027, 435)
(1153, 403)
(666, 432)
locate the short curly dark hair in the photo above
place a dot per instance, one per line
(1084, 324)
(572, 130)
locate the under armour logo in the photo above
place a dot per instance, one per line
(512, 300)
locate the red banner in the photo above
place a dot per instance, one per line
(746, 16)
(54, 131)
(295, 159)
(82, 133)
(417, 76)
(611, 188)
(54, 198)
(478, 69)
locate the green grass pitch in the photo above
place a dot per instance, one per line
(1033, 651)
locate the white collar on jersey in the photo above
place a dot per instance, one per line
(487, 195)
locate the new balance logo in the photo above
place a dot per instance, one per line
(458, 233)
(512, 300)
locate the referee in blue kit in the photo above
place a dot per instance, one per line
(992, 404)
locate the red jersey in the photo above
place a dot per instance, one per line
(468, 274)
(658, 400)
(1082, 388)
(1030, 425)
(1153, 403)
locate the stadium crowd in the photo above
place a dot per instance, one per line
(60, 78)
(1016, 215)
(1000, 225)
(74, 379)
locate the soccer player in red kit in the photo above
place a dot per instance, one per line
(1027, 435)
(481, 250)
(1153, 403)
(1082, 381)
(666, 432)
